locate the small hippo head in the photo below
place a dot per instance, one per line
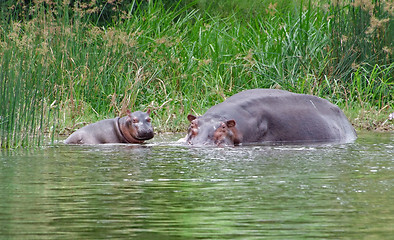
(139, 126)
(212, 131)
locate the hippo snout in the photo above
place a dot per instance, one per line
(145, 134)
(143, 131)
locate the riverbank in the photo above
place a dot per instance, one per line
(372, 119)
(363, 119)
(61, 69)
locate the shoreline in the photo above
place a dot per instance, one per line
(371, 120)
(364, 121)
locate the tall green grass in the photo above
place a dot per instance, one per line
(361, 35)
(61, 68)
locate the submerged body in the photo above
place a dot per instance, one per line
(134, 128)
(270, 115)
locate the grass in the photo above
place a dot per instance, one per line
(62, 68)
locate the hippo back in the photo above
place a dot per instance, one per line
(276, 115)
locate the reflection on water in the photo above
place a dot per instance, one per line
(162, 190)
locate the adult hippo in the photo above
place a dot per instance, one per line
(134, 128)
(270, 115)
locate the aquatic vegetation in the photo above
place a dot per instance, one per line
(64, 65)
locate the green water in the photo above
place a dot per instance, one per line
(162, 190)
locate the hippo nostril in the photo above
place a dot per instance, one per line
(146, 134)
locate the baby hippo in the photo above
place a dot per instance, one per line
(136, 127)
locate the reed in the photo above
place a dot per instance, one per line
(362, 34)
(62, 67)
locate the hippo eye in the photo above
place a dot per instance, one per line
(148, 119)
(135, 120)
(193, 128)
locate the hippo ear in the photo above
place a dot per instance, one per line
(148, 111)
(191, 117)
(230, 123)
(128, 117)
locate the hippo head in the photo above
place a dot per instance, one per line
(211, 131)
(139, 125)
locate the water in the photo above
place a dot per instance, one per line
(162, 190)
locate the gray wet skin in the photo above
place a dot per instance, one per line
(136, 127)
(270, 115)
